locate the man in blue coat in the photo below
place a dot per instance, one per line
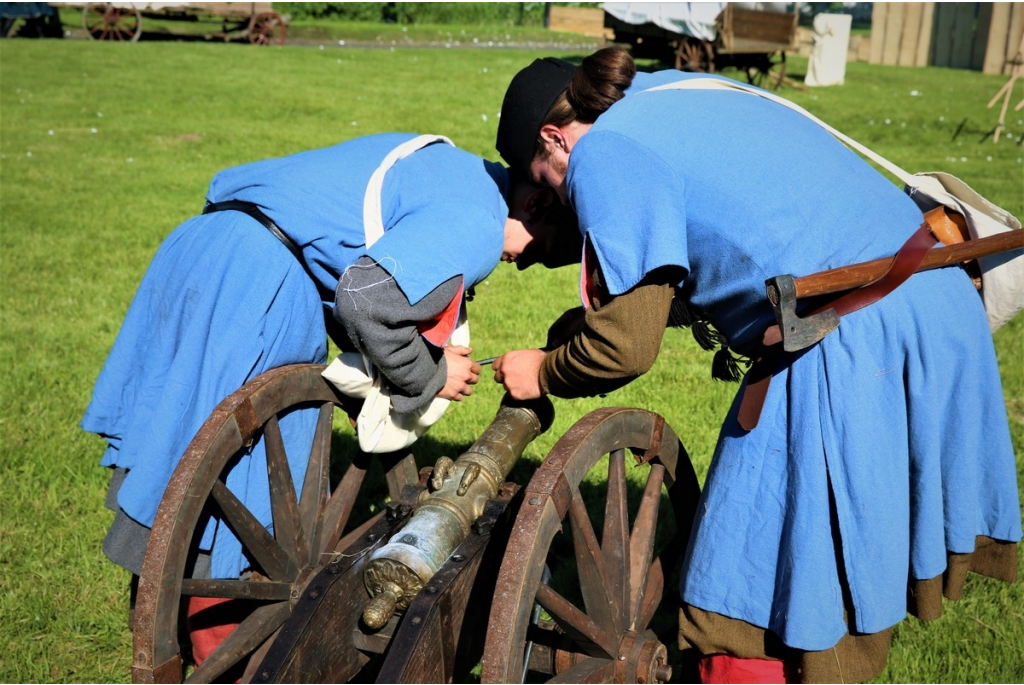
(252, 284)
(882, 454)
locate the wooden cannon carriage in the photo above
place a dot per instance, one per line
(544, 584)
(122, 21)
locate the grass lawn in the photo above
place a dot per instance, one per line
(105, 148)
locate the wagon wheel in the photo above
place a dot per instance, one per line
(695, 55)
(768, 70)
(604, 634)
(307, 528)
(267, 28)
(106, 22)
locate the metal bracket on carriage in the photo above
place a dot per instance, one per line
(654, 451)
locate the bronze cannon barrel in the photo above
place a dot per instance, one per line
(398, 570)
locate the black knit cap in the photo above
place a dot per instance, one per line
(527, 101)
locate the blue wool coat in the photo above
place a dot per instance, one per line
(223, 301)
(899, 413)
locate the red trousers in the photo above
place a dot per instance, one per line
(210, 621)
(722, 668)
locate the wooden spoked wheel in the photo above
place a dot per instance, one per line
(106, 22)
(695, 55)
(598, 595)
(768, 70)
(267, 28)
(307, 528)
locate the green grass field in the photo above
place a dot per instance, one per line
(105, 148)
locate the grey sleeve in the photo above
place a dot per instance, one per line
(383, 325)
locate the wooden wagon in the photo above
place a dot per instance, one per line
(560, 580)
(123, 21)
(754, 41)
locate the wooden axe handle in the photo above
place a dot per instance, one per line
(857, 275)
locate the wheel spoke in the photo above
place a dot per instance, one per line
(316, 484)
(654, 587)
(284, 505)
(250, 633)
(641, 542)
(254, 537)
(577, 625)
(590, 565)
(588, 671)
(237, 589)
(339, 507)
(615, 539)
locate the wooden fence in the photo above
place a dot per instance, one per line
(583, 20)
(982, 36)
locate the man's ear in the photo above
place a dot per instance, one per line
(538, 200)
(553, 135)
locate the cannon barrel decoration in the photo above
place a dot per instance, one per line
(437, 581)
(398, 571)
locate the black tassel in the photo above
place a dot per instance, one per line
(726, 366)
(681, 315)
(706, 336)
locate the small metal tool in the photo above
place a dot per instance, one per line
(485, 362)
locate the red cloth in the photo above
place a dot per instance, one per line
(722, 668)
(210, 621)
(588, 289)
(440, 328)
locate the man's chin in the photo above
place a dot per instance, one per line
(528, 258)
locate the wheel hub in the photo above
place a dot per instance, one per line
(642, 659)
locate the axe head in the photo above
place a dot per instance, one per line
(797, 333)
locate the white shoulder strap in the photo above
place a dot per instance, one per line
(373, 222)
(712, 83)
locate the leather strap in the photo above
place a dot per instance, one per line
(256, 213)
(771, 358)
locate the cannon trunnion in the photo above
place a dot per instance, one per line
(561, 579)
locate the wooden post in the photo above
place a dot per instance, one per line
(879, 17)
(1016, 33)
(924, 39)
(908, 36)
(893, 32)
(995, 46)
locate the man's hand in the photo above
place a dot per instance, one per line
(519, 372)
(463, 372)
